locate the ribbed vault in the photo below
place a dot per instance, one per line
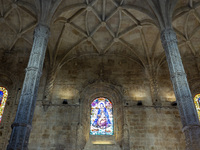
(102, 27)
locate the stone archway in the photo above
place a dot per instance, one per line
(10, 82)
(114, 94)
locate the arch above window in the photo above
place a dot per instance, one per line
(101, 121)
(197, 103)
(3, 98)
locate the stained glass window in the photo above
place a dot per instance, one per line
(197, 103)
(101, 122)
(3, 98)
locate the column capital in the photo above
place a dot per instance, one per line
(42, 31)
(167, 30)
(162, 12)
(168, 36)
(46, 10)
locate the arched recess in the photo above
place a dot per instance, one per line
(10, 82)
(195, 90)
(114, 94)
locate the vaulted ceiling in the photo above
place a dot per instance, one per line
(125, 28)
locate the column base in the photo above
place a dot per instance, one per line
(192, 133)
(20, 141)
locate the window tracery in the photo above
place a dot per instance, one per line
(197, 104)
(3, 98)
(101, 121)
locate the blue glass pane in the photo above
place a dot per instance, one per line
(1, 97)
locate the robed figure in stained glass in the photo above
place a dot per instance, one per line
(102, 120)
(101, 117)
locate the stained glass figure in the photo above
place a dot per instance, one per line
(197, 104)
(101, 122)
(3, 98)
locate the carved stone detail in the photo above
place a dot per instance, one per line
(50, 83)
(80, 138)
(183, 95)
(23, 120)
(125, 139)
(153, 80)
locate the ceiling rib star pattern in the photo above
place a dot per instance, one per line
(101, 27)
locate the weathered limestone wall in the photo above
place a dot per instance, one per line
(149, 128)
(55, 128)
(155, 129)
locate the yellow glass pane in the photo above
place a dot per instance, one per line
(197, 104)
(3, 98)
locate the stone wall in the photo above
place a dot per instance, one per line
(56, 127)
(149, 128)
(123, 82)
(155, 129)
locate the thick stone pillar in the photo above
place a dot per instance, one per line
(21, 127)
(189, 117)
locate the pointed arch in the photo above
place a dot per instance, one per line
(105, 89)
(3, 99)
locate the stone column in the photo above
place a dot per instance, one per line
(189, 117)
(21, 127)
